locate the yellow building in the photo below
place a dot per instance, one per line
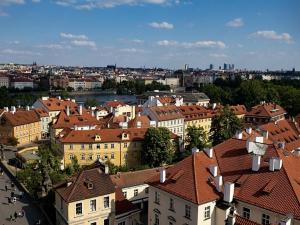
(195, 115)
(24, 125)
(92, 199)
(119, 146)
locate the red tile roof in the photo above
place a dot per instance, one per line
(243, 221)
(144, 121)
(164, 113)
(21, 117)
(114, 104)
(123, 205)
(78, 188)
(189, 179)
(194, 112)
(54, 104)
(266, 110)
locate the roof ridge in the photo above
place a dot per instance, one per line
(75, 184)
(195, 180)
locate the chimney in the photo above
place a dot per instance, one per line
(228, 192)
(209, 152)
(13, 109)
(194, 150)
(214, 105)
(6, 109)
(287, 220)
(249, 130)
(239, 135)
(219, 183)
(163, 175)
(297, 151)
(256, 162)
(106, 169)
(69, 183)
(275, 163)
(266, 134)
(59, 98)
(259, 139)
(27, 108)
(93, 113)
(213, 170)
(80, 109)
(139, 124)
(139, 114)
(68, 110)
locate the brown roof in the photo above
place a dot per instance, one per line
(166, 100)
(194, 112)
(21, 117)
(54, 104)
(297, 118)
(114, 104)
(169, 112)
(144, 121)
(188, 179)
(78, 189)
(41, 112)
(106, 135)
(282, 131)
(266, 110)
(243, 221)
(129, 179)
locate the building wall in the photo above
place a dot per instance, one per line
(176, 126)
(22, 85)
(126, 110)
(4, 81)
(119, 155)
(205, 123)
(27, 133)
(68, 211)
(141, 196)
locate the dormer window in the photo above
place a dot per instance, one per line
(90, 185)
(97, 137)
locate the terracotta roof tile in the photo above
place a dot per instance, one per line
(163, 113)
(21, 117)
(268, 110)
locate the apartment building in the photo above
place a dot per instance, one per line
(119, 108)
(45, 120)
(21, 83)
(23, 124)
(91, 198)
(4, 81)
(119, 146)
(167, 116)
(264, 113)
(195, 115)
(237, 182)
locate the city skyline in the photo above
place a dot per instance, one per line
(137, 33)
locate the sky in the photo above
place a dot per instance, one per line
(252, 34)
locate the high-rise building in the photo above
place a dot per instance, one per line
(225, 66)
(211, 67)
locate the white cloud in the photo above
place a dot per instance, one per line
(273, 35)
(216, 55)
(132, 50)
(238, 22)
(197, 44)
(92, 4)
(12, 2)
(74, 36)
(84, 43)
(3, 13)
(51, 46)
(19, 52)
(138, 41)
(162, 25)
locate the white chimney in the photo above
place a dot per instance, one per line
(27, 108)
(139, 124)
(106, 169)
(259, 139)
(256, 162)
(13, 109)
(59, 98)
(163, 175)
(228, 192)
(93, 113)
(213, 170)
(73, 100)
(209, 152)
(239, 135)
(266, 134)
(214, 105)
(219, 183)
(249, 130)
(278, 164)
(68, 110)
(6, 109)
(80, 109)
(194, 150)
(272, 164)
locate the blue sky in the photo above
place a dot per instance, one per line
(252, 34)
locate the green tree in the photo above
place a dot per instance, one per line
(158, 147)
(12, 141)
(91, 102)
(73, 168)
(31, 178)
(224, 126)
(109, 84)
(196, 137)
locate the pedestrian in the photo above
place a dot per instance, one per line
(16, 215)
(10, 217)
(12, 194)
(6, 188)
(14, 199)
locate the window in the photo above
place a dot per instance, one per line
(157, 197)
(125, 145)
(106, 222)
(78, 209)
(71, 156)
(93, 205)
(246, 213)
(98, 156)
(82, 156)
(93, 223)
(265, 220)
(112, 155)
(105, 146)
(106, 202)
(188, 211)
(121, 223)
(98, 146)
(171, 207)
(90, 156)
(90, 146)
(71, 147)
(125, 194)
(207, 212)
(112, 146)
(146, 190)
(156, 220)
(136, 192)
(82, 146)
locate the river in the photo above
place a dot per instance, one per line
(130, 99)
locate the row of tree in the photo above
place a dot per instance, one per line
(251, 92)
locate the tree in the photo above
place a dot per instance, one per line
(224, 126)
(158, 148)
(12, 141)
(31, 178)
(91, 102)
(109, 84)
(73, 168)
(196, 137)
